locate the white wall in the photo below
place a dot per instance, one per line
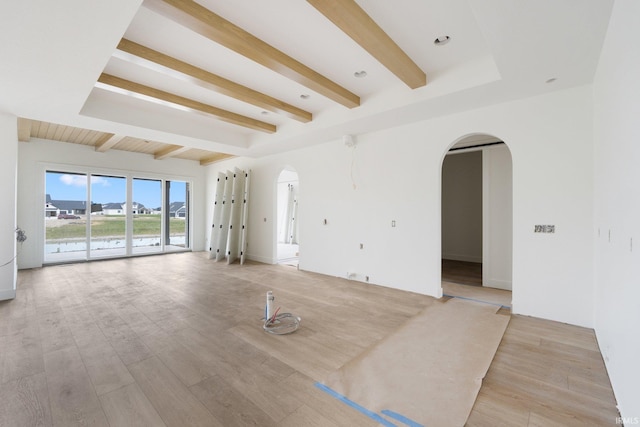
(397, 174)
(35, 156)
(497, 207)
(462, 206)
(8, 170)
(617, 175)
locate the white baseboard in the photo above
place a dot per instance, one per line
(496, 283)
(261, 259)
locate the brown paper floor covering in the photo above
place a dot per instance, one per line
(430, 370)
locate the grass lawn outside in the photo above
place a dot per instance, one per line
(110, 225)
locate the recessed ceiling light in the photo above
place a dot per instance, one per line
(442, 40)
(305, 96)
(360, 74)
(551, 80)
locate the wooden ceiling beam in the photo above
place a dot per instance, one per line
(357, 24)
(170, 151)
(214, 158)
(201, 20)
(186, 103)
(107, 142)
(136, 53)
(24, 130)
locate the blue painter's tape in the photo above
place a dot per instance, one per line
(355, 406)
(477, 300)
(401, 418)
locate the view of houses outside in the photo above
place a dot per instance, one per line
(147, 225)
(178, 193)
(108, 232)
(67, 212)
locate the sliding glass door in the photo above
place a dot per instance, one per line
(108, 224)
(98, 215)
(177, 222)
(65, 217)
(147, 216)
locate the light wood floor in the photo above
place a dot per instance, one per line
(176, 340)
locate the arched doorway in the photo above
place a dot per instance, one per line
(287, 243)
(476, 202)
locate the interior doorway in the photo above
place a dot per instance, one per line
(288, 246)
(477, 213)
(462, 218)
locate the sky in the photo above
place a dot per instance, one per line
(108, 189)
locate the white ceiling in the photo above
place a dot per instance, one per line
(52, 54)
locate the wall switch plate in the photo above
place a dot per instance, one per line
(361, 245)
(544, 229)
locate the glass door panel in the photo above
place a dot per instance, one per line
(108, 219)
(177, 219)
(147, 216)
(65, 217)
(93, 222)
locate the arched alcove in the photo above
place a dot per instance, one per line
(287, 242)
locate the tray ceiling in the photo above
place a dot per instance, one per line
(253, 78)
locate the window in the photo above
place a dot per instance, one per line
(65, 217)
(90, 216)
(178, 219)
(108, 224)
(147, 216)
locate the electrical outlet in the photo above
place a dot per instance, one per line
(361, 245)
(393, 223)
(357, 276)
